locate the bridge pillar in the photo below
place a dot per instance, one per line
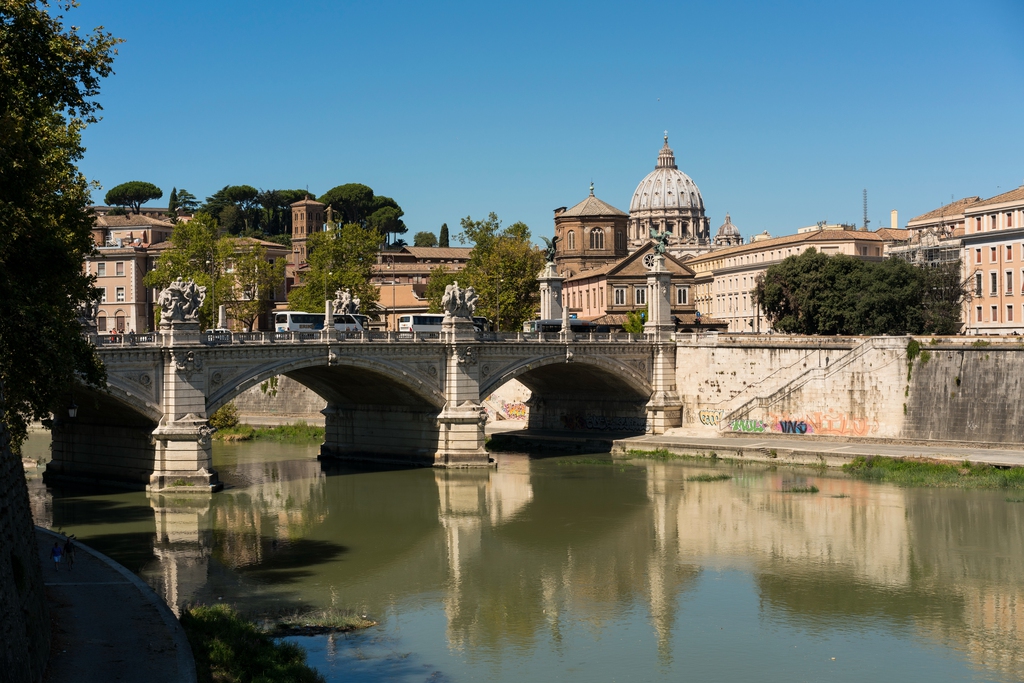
(664, 410)
(182, 460)
(550, 293)
(460, 441)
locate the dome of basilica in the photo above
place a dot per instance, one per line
(666, 187)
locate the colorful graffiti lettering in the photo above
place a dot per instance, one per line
(791, 427)
(749, 426)
(710, 418)
(829, 423)
(514, 411)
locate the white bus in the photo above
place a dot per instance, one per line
(297, 321)
(420, 322)
(431, 322)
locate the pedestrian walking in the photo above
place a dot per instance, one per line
(55, 555)
(69, 553)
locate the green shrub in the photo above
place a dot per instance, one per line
(225, 417)
(709, 477)
(980, 343)
(230, 649)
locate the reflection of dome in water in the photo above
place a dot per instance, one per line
(728, 234)
(666, 187)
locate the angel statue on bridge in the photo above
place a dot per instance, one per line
(660, 240)
(549, 249)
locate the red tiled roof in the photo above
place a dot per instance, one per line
(952, 209)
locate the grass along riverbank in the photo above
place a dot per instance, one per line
(231, 649)
(298, 432)
(924, 473)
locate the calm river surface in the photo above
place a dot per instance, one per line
(553, 569)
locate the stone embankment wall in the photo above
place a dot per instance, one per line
(956, 389)
(24, 623)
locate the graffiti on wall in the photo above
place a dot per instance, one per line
(711, 418)
(604, 423)
(831, 423)
(514, 411)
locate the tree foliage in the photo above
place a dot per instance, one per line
(424, 239)
(251, 281)
(502, 268)
(49, 75)
(813, 293)
(133, 195)
(339, 258)
(197, 253)
(356, 203)
(442, 238)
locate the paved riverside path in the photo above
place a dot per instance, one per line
(806, 451)
(108, 625)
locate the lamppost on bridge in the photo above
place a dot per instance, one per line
(213, 293)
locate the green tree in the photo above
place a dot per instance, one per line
(502, 268)
(187, 201)
(440, 278)
(49, 75)
(353, 202)
(635, 321)
(251, 281)
(817, 294)
(338, 258)
(198, 254)
(424, 239)
(133, 194)
(442, 240)
(172, 205)
(943, 298)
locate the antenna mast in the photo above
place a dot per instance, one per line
(866, 221)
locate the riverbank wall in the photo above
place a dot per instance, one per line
(949, 389)
(24, 622)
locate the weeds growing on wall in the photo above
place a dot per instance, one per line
(710, 477)
(228, 647)
(921, 473)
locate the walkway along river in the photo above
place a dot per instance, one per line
(580, 569)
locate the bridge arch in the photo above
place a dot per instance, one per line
(343, 380)
(601, 373)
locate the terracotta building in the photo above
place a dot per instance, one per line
(590, 235)
(993, 263)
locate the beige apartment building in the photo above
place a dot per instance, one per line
(724, 279)
(993, 263)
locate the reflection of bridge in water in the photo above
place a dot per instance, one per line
(521, 553)
(409, 397)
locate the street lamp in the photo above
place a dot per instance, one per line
(213, 293)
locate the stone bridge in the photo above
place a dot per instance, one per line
(408, 397)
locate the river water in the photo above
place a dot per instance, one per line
(576, 569)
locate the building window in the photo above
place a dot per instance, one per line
(977, 314)
(1009, 252)
(620, 240)
(995, 221)
(597, 238)
(682, 296)
(120, 293)
(1009, 281)
(620, 296)
(992, 255)
(119, 268)
(1009, 314)
(101, 269)
(977, 224)
(977, 255)
(119, 322)
(1009, 219)
(977, 284)
(570, 240)
(993, 283)
(101, 323)
(995, 314)
(103, 295)
(640, 296)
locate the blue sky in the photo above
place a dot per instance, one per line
(781, 112)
